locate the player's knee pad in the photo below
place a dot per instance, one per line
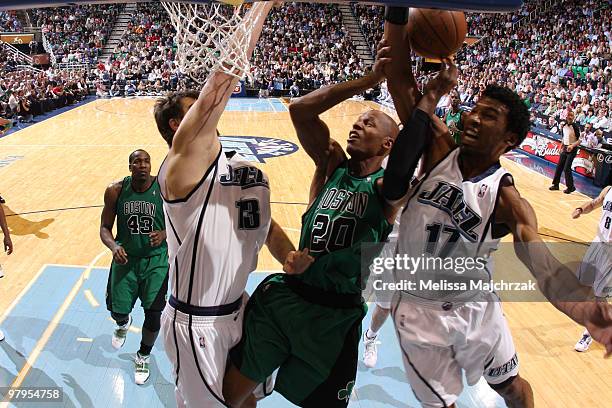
(152, 321)
(119, 317)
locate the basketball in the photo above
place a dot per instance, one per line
(436, 33)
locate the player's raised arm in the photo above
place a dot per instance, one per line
(400, 78)
(413, 138)
(557, 282)
(107, 220)
(312, 132)
(195, 144)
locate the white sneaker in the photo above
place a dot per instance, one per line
(370, 356)
(584, 343)
(1, 335)
(120, 334)
(141, 373)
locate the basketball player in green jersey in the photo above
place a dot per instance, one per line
(309, 325)
(140, 256)
(454, 118)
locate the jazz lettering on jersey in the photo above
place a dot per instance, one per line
(608, 206)
(346, 201)
(139, 207)
(245, 177)
(449, 198)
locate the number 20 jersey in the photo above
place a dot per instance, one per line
(449, 216)
(347, 213)
(216, 232)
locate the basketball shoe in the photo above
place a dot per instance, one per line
(120, 334)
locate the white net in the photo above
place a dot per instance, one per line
(210, 37)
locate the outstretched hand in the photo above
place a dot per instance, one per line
(383, 57)
(598, 321)
(297, 262)
(444, 81)
(577, 213)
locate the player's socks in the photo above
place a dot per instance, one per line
(370, 356)
(141, 366)
(584, 342)
(120, 334)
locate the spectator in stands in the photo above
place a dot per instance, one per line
(602, 121)
(294, 91)
(570, 142)
(589, 139)
(114, 90)
(552, 125)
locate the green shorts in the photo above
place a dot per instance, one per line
(141, 278)
(315, 346)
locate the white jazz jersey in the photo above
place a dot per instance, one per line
(214, 235)
(441, 340)
(604, 233)
(444, 208)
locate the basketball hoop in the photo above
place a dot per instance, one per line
(210, 37)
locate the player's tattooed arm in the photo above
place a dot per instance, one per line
(591, 205)
(283, 250)
(556, 281)
(107, 220)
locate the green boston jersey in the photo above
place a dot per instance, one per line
(453, 122)
(347, 213)
(138, 214)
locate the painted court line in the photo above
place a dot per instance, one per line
(44, 339)
(91, 298)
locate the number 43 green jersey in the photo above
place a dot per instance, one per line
(139, 214)
(347, 213)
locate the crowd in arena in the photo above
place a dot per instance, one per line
(559, 61)
(77, 33)
(9, 22)
(555, 67)
(303, 46)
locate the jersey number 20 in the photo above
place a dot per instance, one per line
(332, 237)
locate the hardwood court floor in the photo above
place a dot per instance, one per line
(60, 168)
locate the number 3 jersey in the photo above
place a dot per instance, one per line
(448, 226)
(348, 212)
(139, 214)
(215, 232)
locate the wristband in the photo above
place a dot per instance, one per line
(396, 15)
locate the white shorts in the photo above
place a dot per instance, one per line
(595, 270)
(438, 344)
(199, 355)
